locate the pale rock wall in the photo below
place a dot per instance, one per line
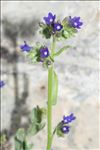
(77, 72)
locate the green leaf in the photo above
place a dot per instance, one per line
(37, 114)
(29, 146)
(18, 145)
(37, 120)
(20, 140)
(58, 130)
(54, 88)
(33, 115)
(42, 25)
(35, 128)
(20, 135)
(32, 130)
(62, 50)
(68, 31)
(65, 34)
(46, 32)
(33, 55)
(23, 145)
(44, 112)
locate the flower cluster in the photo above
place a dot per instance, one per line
(51, 27)
(2, 83)
(65, 123)
(62, 29)
(39, 53)
(50, 21)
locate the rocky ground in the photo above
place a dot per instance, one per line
(77, 71)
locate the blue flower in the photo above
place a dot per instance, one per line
(57, 26)
(25, 47)
(65, 129)
(75, 22)
(68, 119)
(50, 19)
(65, 122)
(2, 83)
(44, 52)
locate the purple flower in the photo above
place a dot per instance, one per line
(57, 26)
(50, 19)
(65, 129)
(75, 22)
(2, 83)
(25, 47)
(44, 52)
(68, 119)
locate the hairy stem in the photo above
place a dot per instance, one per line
(49, 109)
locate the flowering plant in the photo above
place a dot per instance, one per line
(57, 30)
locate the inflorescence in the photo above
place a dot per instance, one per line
(52, 27)
(65, 123)
(61, 29)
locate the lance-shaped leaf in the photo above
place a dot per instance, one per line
(53, 86)
(62, 50)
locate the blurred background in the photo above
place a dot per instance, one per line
(26, 83)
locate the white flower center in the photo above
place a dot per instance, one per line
(64, 128)
(58, 27)
(65, 120)
(45, 53)
(51, 20)
(75, 23)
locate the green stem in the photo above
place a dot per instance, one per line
(53, 47)
(49, 116)
(49, 109)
